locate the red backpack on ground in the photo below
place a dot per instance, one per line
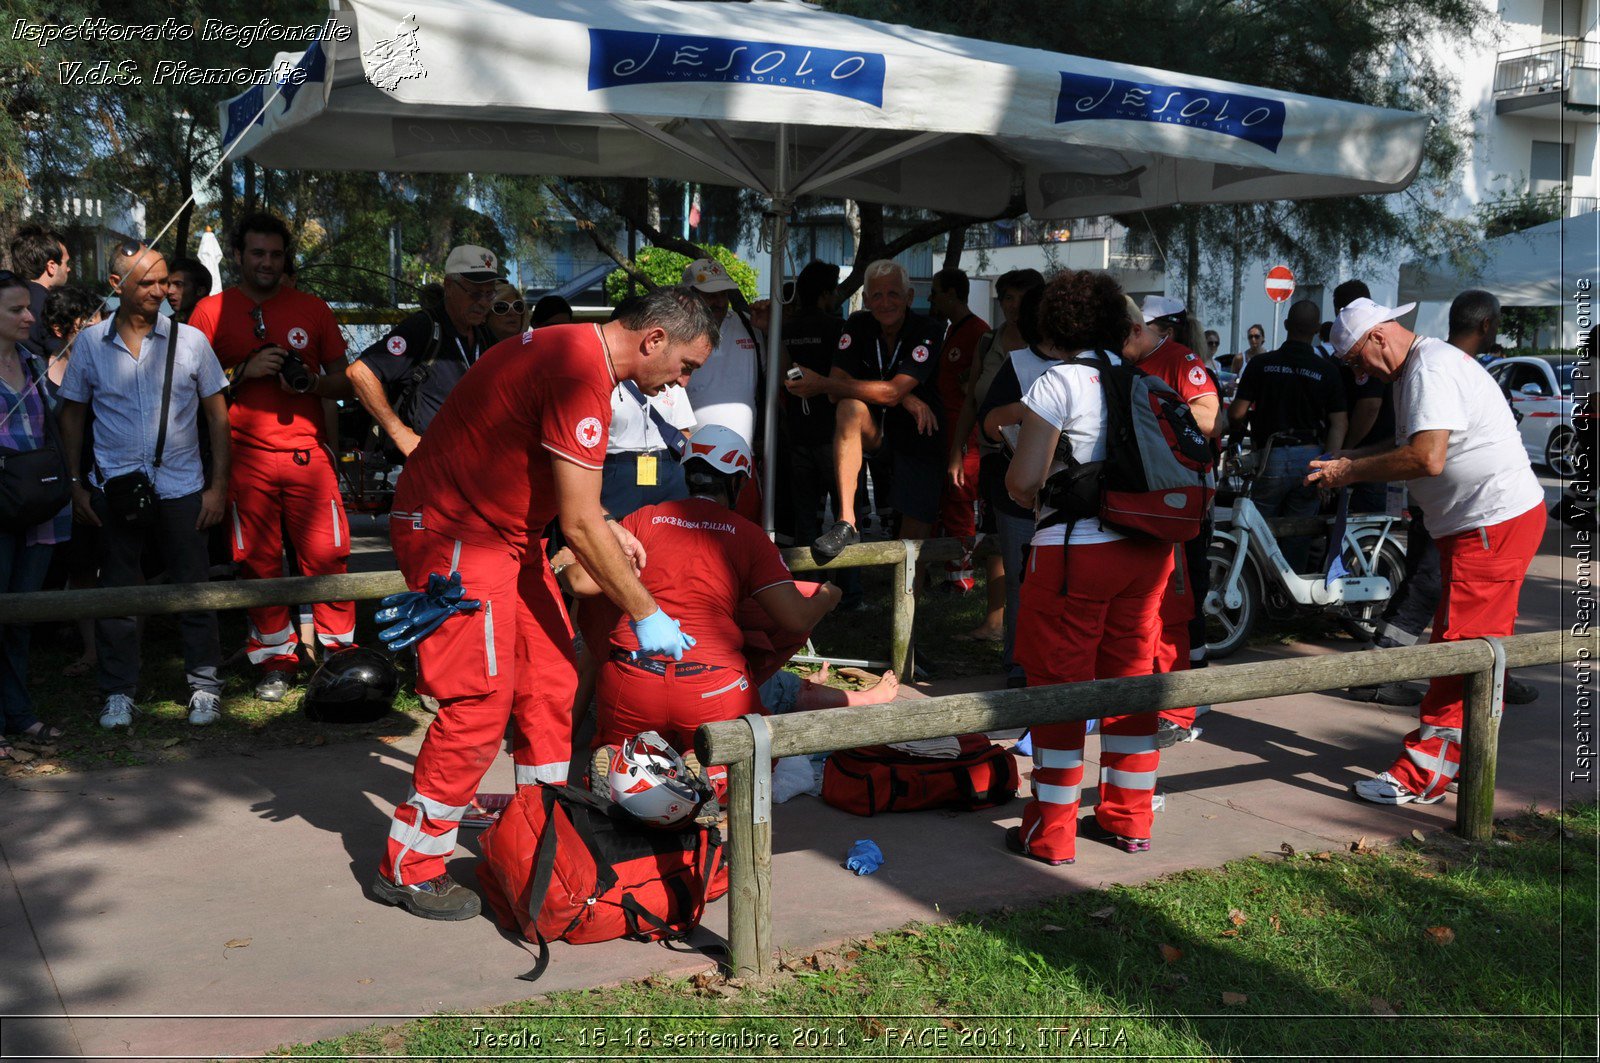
(876, 779)
(564, 865)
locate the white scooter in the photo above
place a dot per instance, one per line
(1249, 573)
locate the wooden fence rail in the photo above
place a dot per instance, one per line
(735, 742)
(41, 606)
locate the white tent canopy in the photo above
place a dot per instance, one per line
(884, 113)
(789, 100)
(1541, 266)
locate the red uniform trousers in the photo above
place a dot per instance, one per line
(631, 699)
(1172, 647)
(1482, 570)
(298, 488)
(511, 659)
(1103, 627)
(958, 511)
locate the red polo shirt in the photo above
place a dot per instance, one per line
(262, 414)
(484, 471)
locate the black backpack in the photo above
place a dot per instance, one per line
(1155, 482)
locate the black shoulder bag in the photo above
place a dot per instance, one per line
(34, 485)
(131, 498)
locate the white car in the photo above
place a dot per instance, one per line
(1542, 392)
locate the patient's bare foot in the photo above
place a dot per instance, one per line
(814, 695)
(886, 690)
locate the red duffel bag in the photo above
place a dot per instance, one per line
(876, 779)
(564, 865)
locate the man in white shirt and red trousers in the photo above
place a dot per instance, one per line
(1457, 445)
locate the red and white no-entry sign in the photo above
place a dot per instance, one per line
(1280, 284)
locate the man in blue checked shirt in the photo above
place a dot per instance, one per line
(148, 386)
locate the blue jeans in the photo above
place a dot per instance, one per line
(22, 569)
(1280, 491)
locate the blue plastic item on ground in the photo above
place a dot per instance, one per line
(864, 857)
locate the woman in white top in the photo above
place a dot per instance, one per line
(1090, 600)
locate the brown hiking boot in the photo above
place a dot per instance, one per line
(438, 898)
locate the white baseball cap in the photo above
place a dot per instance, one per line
(1358, 319)
(706, 275)
(1159, 306)
(473, 263)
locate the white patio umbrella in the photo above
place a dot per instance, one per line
(210, 256)
(789, 101)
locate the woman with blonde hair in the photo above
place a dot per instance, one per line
(508, 315)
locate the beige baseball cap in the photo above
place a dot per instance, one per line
(473, 263)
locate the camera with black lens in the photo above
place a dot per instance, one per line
(294, 374)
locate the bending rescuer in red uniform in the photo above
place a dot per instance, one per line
(520, 442)
(721, 576)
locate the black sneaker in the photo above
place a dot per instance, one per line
(438, 898)
(1398, 694)
(831, 543)
(1170, 734)
(273, 686)
(1520, 693)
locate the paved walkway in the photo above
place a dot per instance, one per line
(121, 890)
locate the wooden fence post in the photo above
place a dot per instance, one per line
(1480, 748)
(749, 878)
(903, 596)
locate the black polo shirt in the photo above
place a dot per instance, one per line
(1293, 389)
(40, 338)
(863, 354)
(1362, 386)
(812, 340)
(407, 346)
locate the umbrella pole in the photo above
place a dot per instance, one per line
(778, 207)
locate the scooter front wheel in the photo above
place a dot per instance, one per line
(1228, 629)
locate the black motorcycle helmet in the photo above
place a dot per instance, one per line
(352, 686)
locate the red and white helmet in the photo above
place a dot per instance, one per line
(649, 780)
(722, 448)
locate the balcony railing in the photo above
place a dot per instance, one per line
(1023, 232)
(1542, 68)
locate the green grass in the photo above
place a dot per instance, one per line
(1311, 955)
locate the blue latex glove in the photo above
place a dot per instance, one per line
(864, 857)
(660, 636)
(414, 615)
(1024, 746)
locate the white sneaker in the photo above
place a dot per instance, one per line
(1385, 789)
(204, 708)
(118, 712)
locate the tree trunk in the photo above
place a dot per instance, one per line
(249, 186)
(954, 245)
(1191, 238)
(1238, 280)
(225, 199)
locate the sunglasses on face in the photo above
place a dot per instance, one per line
(503, 307)
(477, 295)
(261, 325)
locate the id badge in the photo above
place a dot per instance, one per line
(647, 471)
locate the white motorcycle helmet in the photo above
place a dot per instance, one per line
(650, 782)
(722, 448)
